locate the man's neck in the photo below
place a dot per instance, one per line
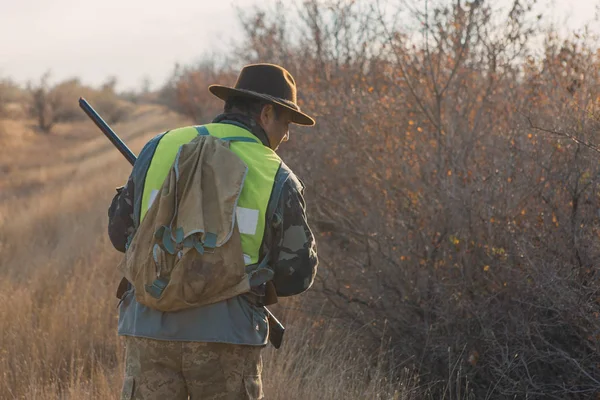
(248, 122)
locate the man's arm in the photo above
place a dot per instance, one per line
(120, 216)
(294, 250)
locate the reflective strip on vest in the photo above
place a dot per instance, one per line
(263, 164)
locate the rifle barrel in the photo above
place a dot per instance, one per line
(108, 132)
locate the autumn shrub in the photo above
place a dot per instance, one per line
(453, 184)
(108, 103)
(3, 99)
(187, 90)
(13, 99)
(52, 104)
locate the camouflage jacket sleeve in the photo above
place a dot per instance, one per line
(294, 249)
(120, 216)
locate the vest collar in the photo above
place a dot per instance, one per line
(245, 122)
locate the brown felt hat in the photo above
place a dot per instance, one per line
(267, 82)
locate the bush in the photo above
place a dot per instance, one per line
(12, 97)
(187, 90)
(51, 105)
(3, 99)
(462, 219)
(55, 104)
(108, 104)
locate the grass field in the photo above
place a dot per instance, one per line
(58, 312)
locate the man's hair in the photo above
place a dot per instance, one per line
(249, 106)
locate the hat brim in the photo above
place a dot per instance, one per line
(224, 92)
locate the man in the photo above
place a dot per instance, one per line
(214, 351)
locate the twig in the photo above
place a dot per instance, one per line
(564, 135)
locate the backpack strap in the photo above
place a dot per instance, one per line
(202, 131)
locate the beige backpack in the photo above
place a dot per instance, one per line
(187, 251)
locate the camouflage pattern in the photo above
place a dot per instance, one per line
(120, 216)
(175, 370)
(293, 244)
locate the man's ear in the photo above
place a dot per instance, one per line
(267, 113)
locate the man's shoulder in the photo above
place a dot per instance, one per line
(151, 145)
(292, 181)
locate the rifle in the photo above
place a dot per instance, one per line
(276, 328)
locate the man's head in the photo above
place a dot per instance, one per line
(271, 90)
(274, 119)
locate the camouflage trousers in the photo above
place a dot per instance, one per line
(157, 369)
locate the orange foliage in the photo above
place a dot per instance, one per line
(456, 152)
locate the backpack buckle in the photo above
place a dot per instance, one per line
(157, 287)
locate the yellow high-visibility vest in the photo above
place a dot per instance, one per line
(262, 162)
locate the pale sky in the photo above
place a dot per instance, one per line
(132, 39)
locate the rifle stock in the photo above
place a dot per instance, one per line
(276, 328)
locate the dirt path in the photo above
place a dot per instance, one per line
(55, 188)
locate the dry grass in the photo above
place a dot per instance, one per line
(57, 307)
(58, 315)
